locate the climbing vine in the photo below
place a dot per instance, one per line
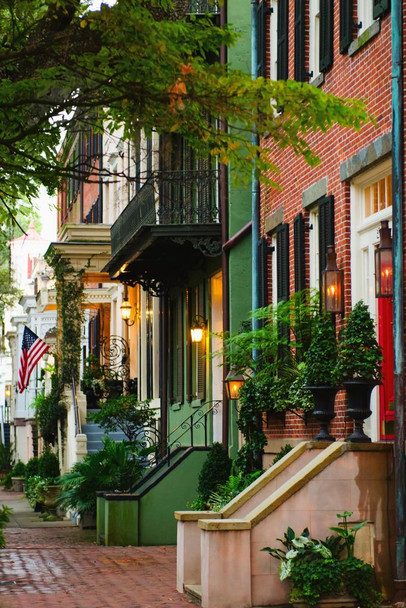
(70, 293)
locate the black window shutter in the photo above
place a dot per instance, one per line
(380, 7)
(282, 261)
(261, 38)
(326, 34)
(300, 72)
(346, 24)
(282, 55)
(179, 352)
(201, 348)
(263, 271)
(299, 252)
(326, 229)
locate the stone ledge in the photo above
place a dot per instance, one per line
(196, 515)
(363, 39)
(224, 524)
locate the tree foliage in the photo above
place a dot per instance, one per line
(139, 64)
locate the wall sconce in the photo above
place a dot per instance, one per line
(234, 382)
(332, 285)
(126, 308)
(198, 328)
(384, 263)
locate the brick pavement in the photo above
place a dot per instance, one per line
(57, 565)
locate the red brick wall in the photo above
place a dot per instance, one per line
(366, 75)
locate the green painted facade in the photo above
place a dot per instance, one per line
(239, 210)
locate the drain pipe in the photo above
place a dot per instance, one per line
(398, 340)
(254, 179)
(224, 255)
(257, 456)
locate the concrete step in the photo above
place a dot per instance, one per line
(194, 593)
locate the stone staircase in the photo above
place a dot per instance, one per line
(95, 435)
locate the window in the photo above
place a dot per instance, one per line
(261, 37)
(177, 350)
(314, 253)
(314, 37)
(378, 195)
(273, 29)
(149, 355)
(299, 252)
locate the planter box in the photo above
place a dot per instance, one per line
(51, 497)
(117, 519)
(18, 484)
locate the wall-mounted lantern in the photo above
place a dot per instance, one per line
(384, 263)
(126, 309)
(197, 328)
(234, 382)
(332, 284)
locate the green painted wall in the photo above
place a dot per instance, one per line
(149, 519)
(240, 276)
(172, 493)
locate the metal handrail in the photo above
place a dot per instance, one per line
(164, 449)
(78, 426)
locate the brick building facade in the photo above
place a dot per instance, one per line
(345, 49)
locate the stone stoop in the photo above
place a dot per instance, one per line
(194, 593)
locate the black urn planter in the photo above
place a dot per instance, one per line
(324, 397)
(358, 407)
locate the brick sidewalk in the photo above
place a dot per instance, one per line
(59, 566)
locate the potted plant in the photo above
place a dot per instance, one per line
(320, 374)
(325, 572)
(359, 365)
(93, 382)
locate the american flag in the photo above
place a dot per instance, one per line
(32, 349)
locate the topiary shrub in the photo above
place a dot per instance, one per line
(48, 465)
(31, 468)
(215, 470)
(18, 470)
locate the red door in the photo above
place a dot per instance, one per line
(386, 391)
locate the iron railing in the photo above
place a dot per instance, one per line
(204, 6)
(192, 432)
(169, 198)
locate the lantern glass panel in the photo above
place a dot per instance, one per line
(383, 273)
(332, 290)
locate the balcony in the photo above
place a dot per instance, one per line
(174, 215)
(198, 7)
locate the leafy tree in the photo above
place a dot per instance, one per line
(139, 64)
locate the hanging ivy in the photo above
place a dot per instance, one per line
(70, 294)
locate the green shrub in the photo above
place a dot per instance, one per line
(285, 449)
(35, 490)
(6, 457)
(5, 513)
(31, 468)
(124, 413)
(48, 465)
(48, 410)
(18, 470)
(215, 470)
(229, 490)
(118, 466)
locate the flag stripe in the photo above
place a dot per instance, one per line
(32, 349)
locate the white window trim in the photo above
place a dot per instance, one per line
(314, 252)
(273, 28)
(314, 37)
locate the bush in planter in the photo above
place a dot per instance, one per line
(321, 357)
(31, 468)
(18, 470)
(48, 465)
(35, 491)
(359, 354)
(48, 410)
(315, 568)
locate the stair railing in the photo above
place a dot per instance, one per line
(78, 426)
(184, 435)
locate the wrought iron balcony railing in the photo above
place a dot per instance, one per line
(169, 198)
(204, 6)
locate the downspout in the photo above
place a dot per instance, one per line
(224, 253)
(257, 456)
(398, 340)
